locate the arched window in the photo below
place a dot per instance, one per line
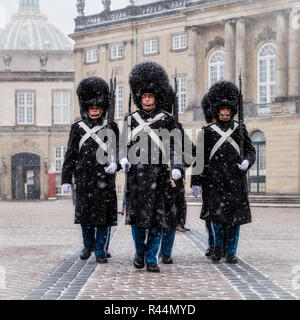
(216, 67)
(266, 73)
(257, 173)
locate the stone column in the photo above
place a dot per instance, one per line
(294, 54)
(192, 72)
(229, 51)
(282, 56)
(240, 52)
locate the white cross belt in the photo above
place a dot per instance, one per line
(145, 125)
(225, 136)
(92, 133)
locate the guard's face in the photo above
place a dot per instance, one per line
(95, 112)
(224, 113)
(148, 102)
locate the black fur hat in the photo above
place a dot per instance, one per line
(223, 93)
(206, 109)
(149, 77)
(92, 91)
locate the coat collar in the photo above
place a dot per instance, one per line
(145, 116)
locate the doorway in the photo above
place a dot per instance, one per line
(257, 173)
(25, 176)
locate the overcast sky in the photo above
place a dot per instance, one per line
(61, 13)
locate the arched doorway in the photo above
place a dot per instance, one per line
(25, 176)
(257, 173)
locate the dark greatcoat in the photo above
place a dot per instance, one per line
(149, 198)
(96, 199)
(224, 185)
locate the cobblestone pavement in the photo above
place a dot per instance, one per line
(40, 246)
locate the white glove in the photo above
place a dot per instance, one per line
(125, 164)
(196, 190)
(111, 169)
(176, 174)
(244, 166)
(66, 188)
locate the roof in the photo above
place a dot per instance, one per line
(30, 30)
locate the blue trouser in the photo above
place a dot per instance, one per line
(209, 229)
(97, 237)
(232, 233)
(167, 241)
(149, 246)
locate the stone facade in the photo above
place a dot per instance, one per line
(239, 29)
(27, 146)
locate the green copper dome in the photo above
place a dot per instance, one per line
(30, 30)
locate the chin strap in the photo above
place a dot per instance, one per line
(148, 105)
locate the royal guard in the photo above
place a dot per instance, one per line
(223, 181)
(96, 198)
(145, 158)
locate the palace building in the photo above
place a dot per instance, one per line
(205, 41)
(37, 102)
(202, 41)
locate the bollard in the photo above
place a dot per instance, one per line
(51, 183)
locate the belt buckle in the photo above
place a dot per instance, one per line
(229, 139)
(93, 135)
(147, 128)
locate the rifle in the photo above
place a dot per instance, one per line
(241, 118)
(128, 126)
(175, 109)
(111, 106)
(128, 142)
(112, 100)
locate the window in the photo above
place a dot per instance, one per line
(59, 155)
(179, 42)
(116, 51)
(257, 173)
(91, 55)
(25, 108)
(119, 101)
(181, 93)
(216, 67)
(61, 107)
(267, 74)
(150, 46)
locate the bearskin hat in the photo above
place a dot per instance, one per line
(223, 93)
(149, 77)
(92, 91)
(206, 109)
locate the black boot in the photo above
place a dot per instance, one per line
(166, 259)
(108, 255)
(138, 261)
(152, 267)
(209, 251)
(101, 259)
(217, 254)
(85, 253)
(231, 258)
